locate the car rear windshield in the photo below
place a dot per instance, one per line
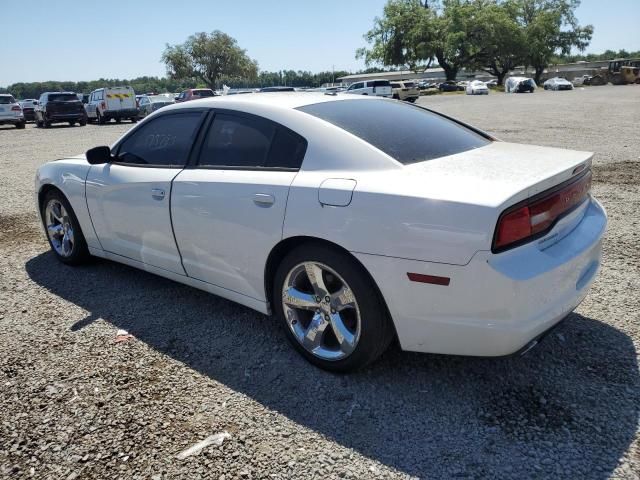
(63, 97)
(203, 93)
(6, 99)
(408, 133)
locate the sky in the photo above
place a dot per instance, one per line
(80, 40)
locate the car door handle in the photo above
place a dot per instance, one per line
(263, 199)
(157, 193)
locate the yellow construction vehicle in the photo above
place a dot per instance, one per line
(620, 72)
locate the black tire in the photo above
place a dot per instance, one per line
(46, 122)
(376, 329)
(101, 119)
(79, 252)
(134, 119)
(21, 125)
(38, 123)
(118, 120)
(71, 124)
(83, 122)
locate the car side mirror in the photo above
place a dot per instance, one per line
(98, 155)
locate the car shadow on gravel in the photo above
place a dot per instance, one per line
(568, 409)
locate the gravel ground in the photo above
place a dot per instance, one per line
(75, 403)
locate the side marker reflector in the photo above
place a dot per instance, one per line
(433, 279)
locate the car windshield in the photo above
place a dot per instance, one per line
(203, 93)
(408, 133)
(6, 99)
(63, 97)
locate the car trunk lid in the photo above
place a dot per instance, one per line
(498, 175)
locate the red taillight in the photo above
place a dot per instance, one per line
(103, 105)
(536, 216)
(513, 227)
(16, 108)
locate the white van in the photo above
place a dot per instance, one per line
(112, 102)
(379, 88)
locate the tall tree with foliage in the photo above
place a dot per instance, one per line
(209, 58)
(410, 32)
(401, 38)
(502, 38)
(550, 28)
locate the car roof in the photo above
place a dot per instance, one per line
(278, 100)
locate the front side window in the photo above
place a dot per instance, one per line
(165, 141)
(408, 133)
(250, 142)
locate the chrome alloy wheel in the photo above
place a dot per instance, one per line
(321, 311)
(59, 228)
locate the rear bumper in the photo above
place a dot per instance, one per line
(65, 117)
(124, 113)
(497, 303)
(12, 120)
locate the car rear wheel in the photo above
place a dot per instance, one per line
(118, 120)
(331, 310)
(20, 125)
(134, 119)
(100, 117)
(71, 124)
(63, 230)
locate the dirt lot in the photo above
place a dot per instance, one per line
(76, 404)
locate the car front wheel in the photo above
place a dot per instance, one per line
(331, 310)
(63, 230)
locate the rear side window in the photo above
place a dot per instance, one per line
(249, 142)
(164, 141)
(408, 133)
(379, 83)
(6, 99)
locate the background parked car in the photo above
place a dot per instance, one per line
(10, 111)
(195, 94)
(519, 85)
(491, 83)
(476, 87)
(112, 102)
(450, 86)
(29, 108)
(557, 83)
(379, 88)
(150, 103)
(59, 107)
(405, 91)
(583, 80)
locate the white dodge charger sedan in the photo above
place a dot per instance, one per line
(353, 220)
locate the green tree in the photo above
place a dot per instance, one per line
(502, 39)
(550, 28)
(402, 37)
(209, 58)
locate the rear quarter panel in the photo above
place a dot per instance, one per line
(386, 221)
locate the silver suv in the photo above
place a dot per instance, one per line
(10, 111)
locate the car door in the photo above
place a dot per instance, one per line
(128, 198)
(228, 209)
